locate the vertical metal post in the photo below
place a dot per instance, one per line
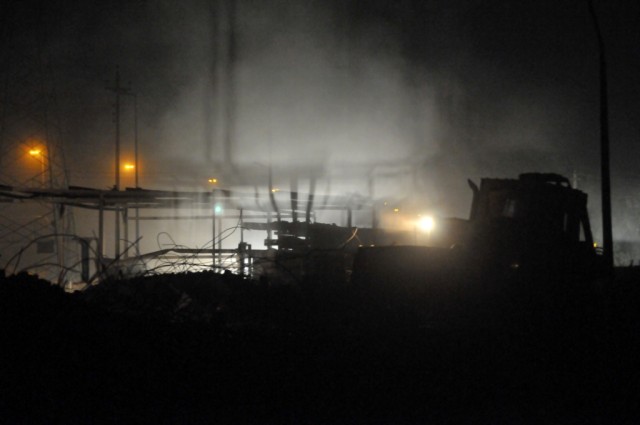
(57, 211)
(605, 171)
(219, 237)
(269, 234)
(116, 213)
(374, 216)
(135, 142)
(230, 82)
(118, 90)
(312, 192)
(100, 247)
(117, 118)
(241, 227)
(125, 221)
(117, 170)
(84, 258)
(294, 203)
(213, 229)
(272, 197)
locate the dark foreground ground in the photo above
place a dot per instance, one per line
(206, 348)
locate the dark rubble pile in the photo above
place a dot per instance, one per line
(185, 348)
(211, 348)
(205, 297)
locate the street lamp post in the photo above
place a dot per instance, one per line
(136, 168)
(135, 139)
(118, 90)
(43, 155)
(135, 159)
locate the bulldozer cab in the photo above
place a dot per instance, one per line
(536, 222)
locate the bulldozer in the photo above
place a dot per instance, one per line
(531, 229)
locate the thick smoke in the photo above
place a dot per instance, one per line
(415, 96)
(453, 89)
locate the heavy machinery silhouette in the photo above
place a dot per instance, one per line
(535, 228)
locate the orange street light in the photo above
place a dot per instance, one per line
(39, 155)
(129, 167)
(213, 180)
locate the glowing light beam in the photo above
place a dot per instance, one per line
(426, 223)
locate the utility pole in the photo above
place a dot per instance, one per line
(230, 83)
(135, 165)
(135, 140)
(118, 90)
(605, 171)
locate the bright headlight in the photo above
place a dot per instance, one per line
(426, 223)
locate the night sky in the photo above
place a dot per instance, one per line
(452, 89)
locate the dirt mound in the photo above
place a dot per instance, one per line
(204, 347)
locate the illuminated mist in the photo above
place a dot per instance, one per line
(416, 96)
